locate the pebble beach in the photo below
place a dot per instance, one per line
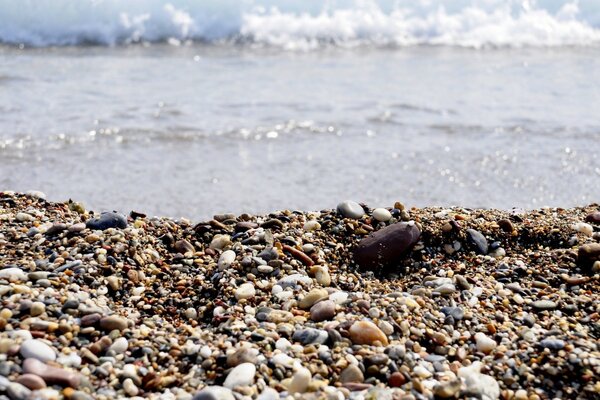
(346, 303)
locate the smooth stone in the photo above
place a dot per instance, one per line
(243, 355)
(366, 332)
(214, 393)
(593, 217)
(37, 308)
(310, 335)
(553, 344)
(183, 246)
(312, 297)
(300, 381)
(484, 344)
(588, 254)
(479, 385)
(477, 241)
(51, 375)
(544, 305)
(386, 245)
(226, 259)
(382, 215)
(293, 280)
(352, 374)
(31, 381)
(13, 274)
(245, 291)
(56, 228)
(242, 375)
(350, 209)
(446, 390)
(455, 312)
(16, 391)
(107, 220)
(119, 346)
(219, 242)
(339, 297)
(322, 311)
(113, 322)
(268, 394)
(37, 349)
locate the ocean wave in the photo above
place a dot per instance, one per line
(302, 24)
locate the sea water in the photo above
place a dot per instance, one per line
(188, 108)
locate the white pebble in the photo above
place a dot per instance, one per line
(119, 346)
(226, 259)
(584, 228)
(382, 215)
(245, 291)
(484, 344)
(37, 349)
(242, 375)
(300, 381)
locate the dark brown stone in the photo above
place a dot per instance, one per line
(588, 254)
(386, 245)
(594, 217)
(183, 246)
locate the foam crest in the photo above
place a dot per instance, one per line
(302, 24)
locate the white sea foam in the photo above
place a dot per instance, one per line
(303, 24)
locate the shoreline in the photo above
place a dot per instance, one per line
(484, 303)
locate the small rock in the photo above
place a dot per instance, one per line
(37, 308)
(477, 241)
(352, 374)
(477, 384)
(242, 375)
(55, 229)
(382, 215)
(37, 349)
(446, 390)
(51, 375)
(396, 379)
(484, 344)
(214, 393)
(219, 242)
(130, 387)
(245, 291)
(386, 245)
(107, 220)
(183, 246)
(506, 225)
(322, 311)
(113, 322)
(310, 335)
(553, 344)
(13, 274)
(586, 255)
(119, 346)
(593, 217)
(300, 381)
(366, 332)
(31, 381)
(350, 209)
(16, 391)
(226, 259)
(312, 297)
(243, 355)
(544, 305)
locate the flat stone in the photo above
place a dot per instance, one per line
(56, 228)
(37, 349)
(322, 311)
(214, 393)
(386, 245)
(366, 332)
(107, 220)
(350, 209)
(477, 241)
(553, 344)
(312, 297)
(310, 335)
(242, 375)
(51, 375)
(455, 312)
(352, 374)
(113, 322)
(544, 305)
(31, 381)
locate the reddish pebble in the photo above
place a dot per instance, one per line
(396, 379)
(31, 381)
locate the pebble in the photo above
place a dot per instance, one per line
(593, 217)
(119, 346)
(113, 322)
(242, 375)
(382, 215)
(226, 259)
(446, 390)
(37, 308)
(366, 332)
(484, 343)
(16, 391)
(350, 209)
(107, 220)
(300, 381)
(51, 375)
(477, 384)
(130, 387)
(312, 297)
(214, 393)
(477, 241)
(544, 305)
(588, 254)
(322, 311)
(310, 335)
(386, 245)
(245, 291)
(352, 374)
(31, 381)
(553, 344)
(37, 349)
(183, 246)
(13, 274)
